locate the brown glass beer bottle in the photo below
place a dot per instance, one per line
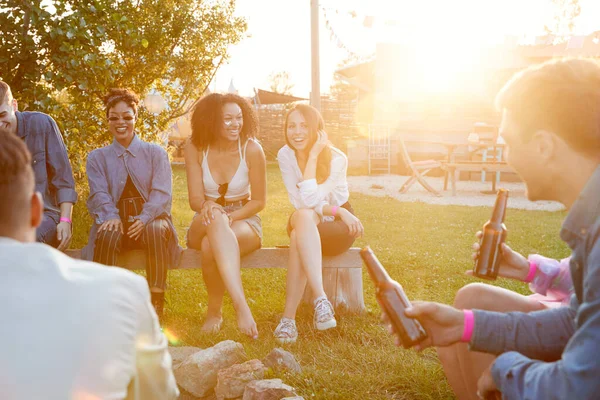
(487, 263)
(393, 301)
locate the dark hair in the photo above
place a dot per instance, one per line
(16, 181)
(115, 96)
(207, 119)
(4, 92)
(315, 123)
(561, 96)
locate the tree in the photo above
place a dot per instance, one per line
(281, 82)
(563, 23)
(61, 56)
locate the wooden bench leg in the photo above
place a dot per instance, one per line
(343, 287)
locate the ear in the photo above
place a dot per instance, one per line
(545, 144)
(37, 209)
(15, 106)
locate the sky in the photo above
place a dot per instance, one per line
(278, 35)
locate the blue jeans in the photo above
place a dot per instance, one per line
(46, 232)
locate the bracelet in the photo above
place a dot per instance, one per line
(532, 271)
(65, 219)
(334, 210)
(469, 325)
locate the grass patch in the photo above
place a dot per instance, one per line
(425, 247)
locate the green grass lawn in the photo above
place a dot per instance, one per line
(425, 247)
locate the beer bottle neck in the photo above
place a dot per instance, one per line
(376, 271)
(500, 207)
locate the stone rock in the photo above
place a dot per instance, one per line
(267, 389)
(232, 381)
(179, 354)
(198, 373)
(281, 360)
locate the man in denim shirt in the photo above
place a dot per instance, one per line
(551, 124)
(53, 174)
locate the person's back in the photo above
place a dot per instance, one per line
(70, 329)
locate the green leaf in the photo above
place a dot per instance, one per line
(145, 43)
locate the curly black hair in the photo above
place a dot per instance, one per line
(115, 96)
(207, 119)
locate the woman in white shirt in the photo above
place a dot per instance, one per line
(314, 174)
(223, 161)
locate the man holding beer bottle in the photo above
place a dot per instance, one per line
(551, 125)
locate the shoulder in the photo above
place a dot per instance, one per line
(285, 153)
(154, 148)
(97, 154)
(254, 149)
(36, 116)
(38, 120)
(191, 152)
(338, 156)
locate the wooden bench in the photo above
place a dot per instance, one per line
(342, 274)
(474, 166)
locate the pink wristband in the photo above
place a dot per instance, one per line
(469, 325)
(532, 271)
(65, 219)
(334, 210)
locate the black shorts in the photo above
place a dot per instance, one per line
(335, 235)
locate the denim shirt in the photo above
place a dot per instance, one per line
(51, 166)
(555, 353)
(150, 170)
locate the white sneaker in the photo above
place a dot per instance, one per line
(286, 331)
(323, 318)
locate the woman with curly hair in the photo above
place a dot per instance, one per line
(223, 162)
(314, 174)
(130, 197)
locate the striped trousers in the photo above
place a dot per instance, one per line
(154, 241)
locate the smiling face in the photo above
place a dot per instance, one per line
(121, 122)
(233, 122)
(8, 118)
(298, 131)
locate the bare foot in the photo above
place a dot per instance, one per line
(212, 324)
(246, 323)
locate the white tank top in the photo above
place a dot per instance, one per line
(240, 182)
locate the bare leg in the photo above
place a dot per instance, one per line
(308, 243)
(214, 287)
(225, 250)
(295, 280)
(463, 367)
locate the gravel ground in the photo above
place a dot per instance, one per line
(468, 193)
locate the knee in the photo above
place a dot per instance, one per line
(304, 215)
(220, 221)
(156, 230)
(471, 296)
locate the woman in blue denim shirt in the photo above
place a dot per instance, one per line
(130, 197)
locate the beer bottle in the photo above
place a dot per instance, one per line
(487, 263)
(393, 301)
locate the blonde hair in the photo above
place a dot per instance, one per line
(561, 96)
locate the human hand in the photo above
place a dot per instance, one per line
(354, 225)
(207, 214)
(64, 235)
(512, 264)
(444, 324)
(321, 142)
(486, 387)
(112, 224)
(135, 230)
